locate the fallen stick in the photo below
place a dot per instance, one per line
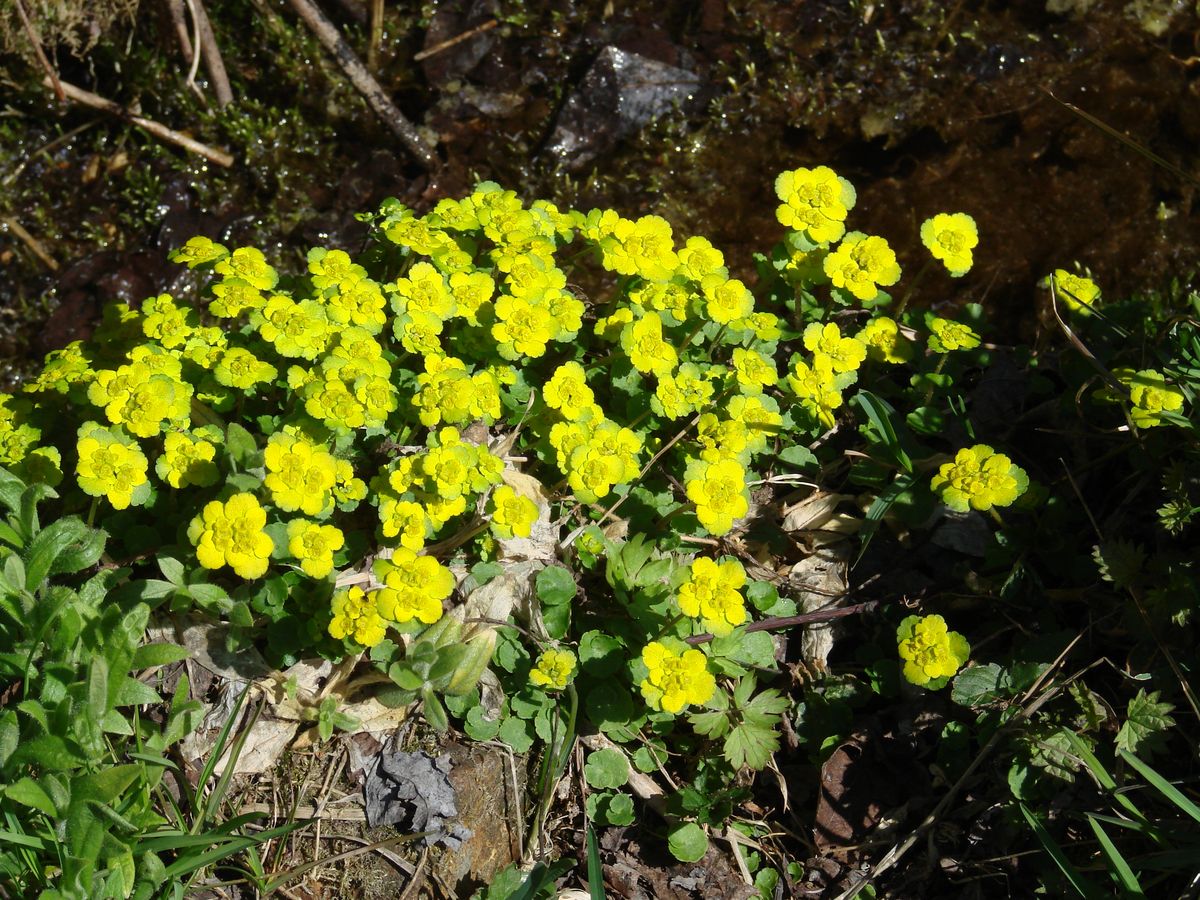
(175, 7)
(366, 85)
(212, 55)
(812, 618)
(162, 132)
(36, 42)
(31, 242)
(457, 39)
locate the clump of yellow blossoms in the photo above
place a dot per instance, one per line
(355, 616)
(712, 593)
(513, 514)
(930, 652)
(189, 459)
(314, 545)
(950, 238)
(231, 534)
(861, 265)
(1151, 396)
(815, 202)
(1080, 294)
(413, 587)
(946, 335)
(300, 474)
(553, 670)
(676, 680)
(979, 478)
(718, 488)
(111, 466)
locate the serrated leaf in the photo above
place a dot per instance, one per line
(1145, 722)
(1119, 562)
(978, 685)
(515, 733)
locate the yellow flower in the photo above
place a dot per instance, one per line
(815, 201)
(946, 335)
(647, 350)
(512, 513)
(414, 587)
(642, 248)
(861, 265)
(553, 670)
(1080, 294)
(568, 391)
(186, 460)
(197, 252)
(405, 519)
(1151, 396)
(295, 329)
(347, 488)
(167, 323)
(17, 435)
(979, 478)
(522, 328)
(112, 466)
(929, 651)
(675, 680)
(727, 300)
(610, 328)
(355, 616)
(300, 475)
(314, 546)
(884, 342)
(233, 296)
(239, 368)
(950, 237)
(845, 354)
(817, 388)
(248, 264)
(713, 593)
(759, 415)
(699, 259)
(232, 534)
(719, 491)
(42, 465)
(330, 268)
(471, 291)
(754, 371)
(722, 438)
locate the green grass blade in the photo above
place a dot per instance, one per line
(595, 869)
(22, 840)
(1164, 787)
(1103, 777)
(1083, 886)
(880, 413)
(1117, 863)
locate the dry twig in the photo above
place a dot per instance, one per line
(31, 242)
(362, 80)
(160, 131)
(38, 52)
(457, 39)
(212, 54)
(175, 8)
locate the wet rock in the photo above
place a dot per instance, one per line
(450, 21)
(620, 94)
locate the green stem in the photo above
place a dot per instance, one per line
(937, 371)
(912, 286)
(91, 516)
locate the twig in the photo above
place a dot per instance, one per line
(196, 54)
(457, 39)
(212, 54)
(45, 150)
(37, 51)
(366, 85)
(376, 34)
(774, 622)
(162, 132)
(175, 8)
(31, 242)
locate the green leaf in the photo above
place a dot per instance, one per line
(880, 414)
(600, 654)
(1146, 721)
(595, 871)
(755, 738)
(978, 685)
(1083, 886)
(240, 444)
(688, 842)
(435, 713)
(557, 619)
(53, 542)
(607, 768)
(133, 693)
(1163, 786)
(150, 655)
(515, 733)
(479, 727)
(28, 792)
(555, 585)
(172, 570)
(97, 688)
(799, 457)
(1118, 866)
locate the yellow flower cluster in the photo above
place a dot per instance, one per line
(553, 670)
(355, 616)
(712, 593)
(233, 534)
(595, 454)
(451, 394)
(188, 458)
(314, 545)
(815, 202)
(676, 679)
(111, 465)
(979, 478)
(513, 514)
(145, 395)
(17, 435)
(1151, 396)
(950, 238)
(300, 474)
(1080, 294)
(718, 489)
(413, 587)
(946, 335)
(861, 265)
(929, 650)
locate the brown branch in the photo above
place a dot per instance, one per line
(31, 242)
(212, 55)
(812, 618)
(457, 39)
(162, 132)
(37, 51)
(175, 7)
(366, 85)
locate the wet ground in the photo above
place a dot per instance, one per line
(925, 106)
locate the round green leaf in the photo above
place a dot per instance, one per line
(606, 768)
(600, 654)
(688, 842)
(555, 585)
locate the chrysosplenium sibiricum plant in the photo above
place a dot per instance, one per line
(329, 447)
